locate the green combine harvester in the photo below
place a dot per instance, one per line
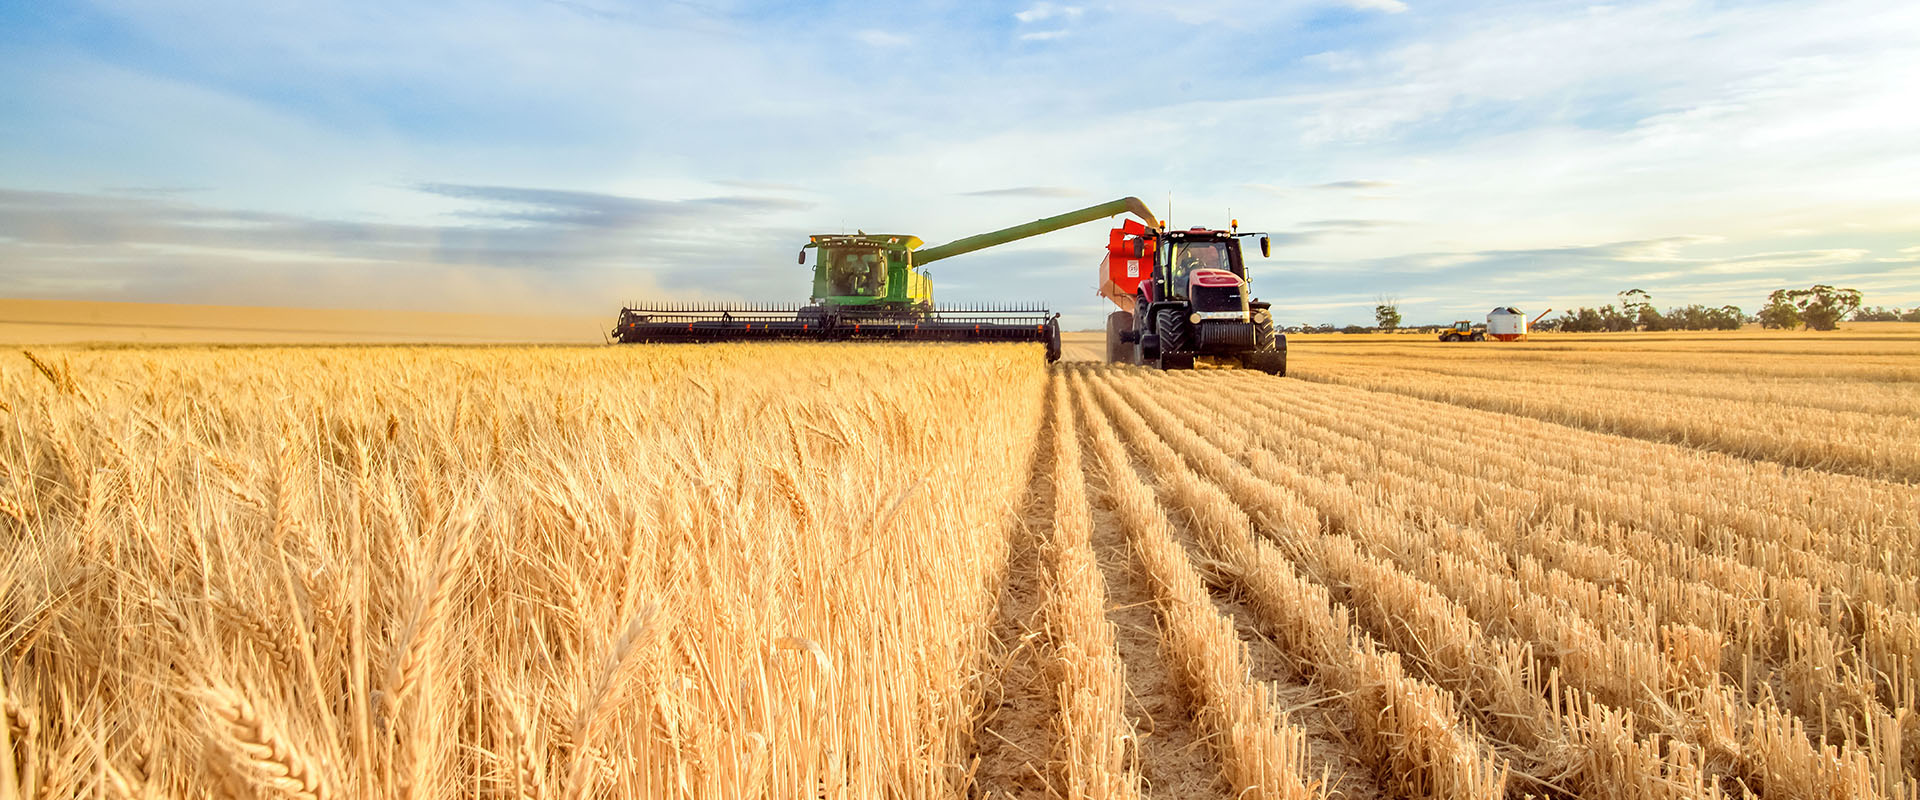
(873, 286)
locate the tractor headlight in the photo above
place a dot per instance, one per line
(1261, 315)
(1194, 317)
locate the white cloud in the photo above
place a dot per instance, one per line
(1042, 36)
(1042, 11)
(1388, 6)
(879, 38)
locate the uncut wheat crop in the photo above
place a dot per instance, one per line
(1626, 568)
(399, 572)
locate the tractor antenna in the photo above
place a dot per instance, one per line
(1169, 209)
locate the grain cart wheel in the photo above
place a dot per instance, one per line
(1119, 351)
(1176, 339)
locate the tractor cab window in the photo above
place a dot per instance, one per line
(1185, 257)
(856, 271)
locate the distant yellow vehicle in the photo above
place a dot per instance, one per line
(1464, 331)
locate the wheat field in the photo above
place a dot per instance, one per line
(1627, 567)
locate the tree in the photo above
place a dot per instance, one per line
(1637, 307)
(1821, 307)
(1387, 313)
(1779, 312)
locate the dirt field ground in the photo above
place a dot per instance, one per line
(1630, 566)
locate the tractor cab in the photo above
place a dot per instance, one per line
(1188, 253)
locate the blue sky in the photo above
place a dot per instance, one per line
(568, 155)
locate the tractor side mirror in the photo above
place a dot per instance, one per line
(803, 256)
(1139, 248)
(1266, 247)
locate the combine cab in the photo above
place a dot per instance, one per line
(872, 286)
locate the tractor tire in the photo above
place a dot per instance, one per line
(1269, 354)
(1053, 342)
(1119, 351)
(1272, 362)
(1176, 339)
(1448, 337)
(1479, 337)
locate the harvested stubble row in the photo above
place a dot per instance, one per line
(1828, 541)
(1873, 359)
(1767, 747)
(1654, 382)
(1561, 741)
(1842, 651)
(1096, 741)
(1843, 441)
(1264, 754)
(727, 571)
(1411, 732)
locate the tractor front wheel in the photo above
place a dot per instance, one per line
(1269, 353)
(1176, 339)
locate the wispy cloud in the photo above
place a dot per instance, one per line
(597, 210)
(1388, 6)
(1027, 191)
(878, 38)
(1043, 11)
(1351, 224)
(1355, 184)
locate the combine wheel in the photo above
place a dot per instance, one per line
(1120, 351)
(1053, 342)
(1176, 339)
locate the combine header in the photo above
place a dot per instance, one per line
(872, 286)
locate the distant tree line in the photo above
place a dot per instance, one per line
(1820, 307)
(1636, 312)
(1877, 314)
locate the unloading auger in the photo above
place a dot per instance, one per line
(873, 286)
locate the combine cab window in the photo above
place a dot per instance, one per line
(856, 272)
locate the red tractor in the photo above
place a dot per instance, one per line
(1184, 295)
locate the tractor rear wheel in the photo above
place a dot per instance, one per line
(1176, 339)
(1119, 351)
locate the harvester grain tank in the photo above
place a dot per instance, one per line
(873, 286)
(1185, 295)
